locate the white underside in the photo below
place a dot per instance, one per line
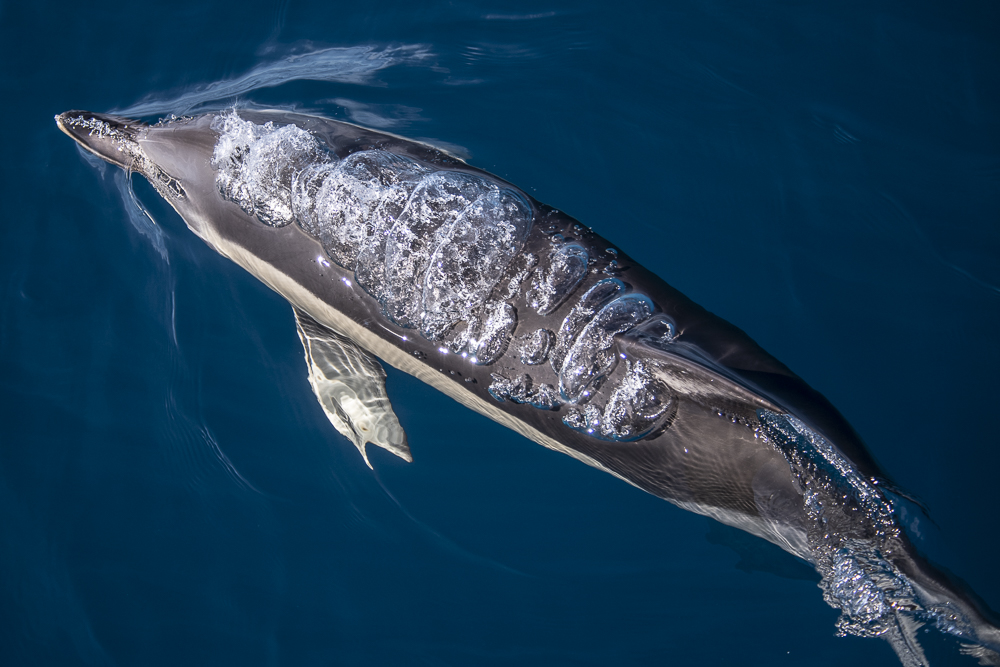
(329, 316)
(786, 537)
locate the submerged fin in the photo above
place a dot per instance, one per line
(350, 386)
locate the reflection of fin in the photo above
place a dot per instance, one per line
(350, 385)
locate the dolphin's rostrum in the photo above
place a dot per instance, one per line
(392, 249)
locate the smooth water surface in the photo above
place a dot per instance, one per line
(826, 178)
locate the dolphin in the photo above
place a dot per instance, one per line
(394, 250)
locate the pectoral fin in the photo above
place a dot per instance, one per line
(350, 386)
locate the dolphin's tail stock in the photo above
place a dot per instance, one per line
(869, 569)
(887, 590)
(944, 604)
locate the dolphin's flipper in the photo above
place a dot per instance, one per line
(350, 386)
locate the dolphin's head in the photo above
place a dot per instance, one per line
(111, 138)
(120, 141)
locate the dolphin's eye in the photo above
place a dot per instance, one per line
(167, 184)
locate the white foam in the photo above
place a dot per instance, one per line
(471, 257)
(256, 164)
(429, 244)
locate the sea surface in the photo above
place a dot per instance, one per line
(826, 176)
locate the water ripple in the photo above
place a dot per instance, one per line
(354, 64)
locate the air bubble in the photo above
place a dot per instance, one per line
(256, 163)
(486, 334)
(599, 294)
(521, 390)
(435, 204)
(544, 397)
(470, 258)
(515, 390)
(352, 203)
(495, 333)
(460, 342)
(575, 419)
(520, 268)
(639, 405)
(589, 360)
(587, 420)
(551, 286)
(533, 348)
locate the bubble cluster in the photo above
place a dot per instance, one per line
(590, 358)
(533, 348)
(639, 405)
(521, 389)
(553, 285)
(485, 338)
(256, 164)
(581, 313)
(429, 244)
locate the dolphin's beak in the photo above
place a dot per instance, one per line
(111, 138)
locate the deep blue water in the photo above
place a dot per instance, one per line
(825, 177)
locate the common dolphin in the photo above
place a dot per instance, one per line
(391, 249)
